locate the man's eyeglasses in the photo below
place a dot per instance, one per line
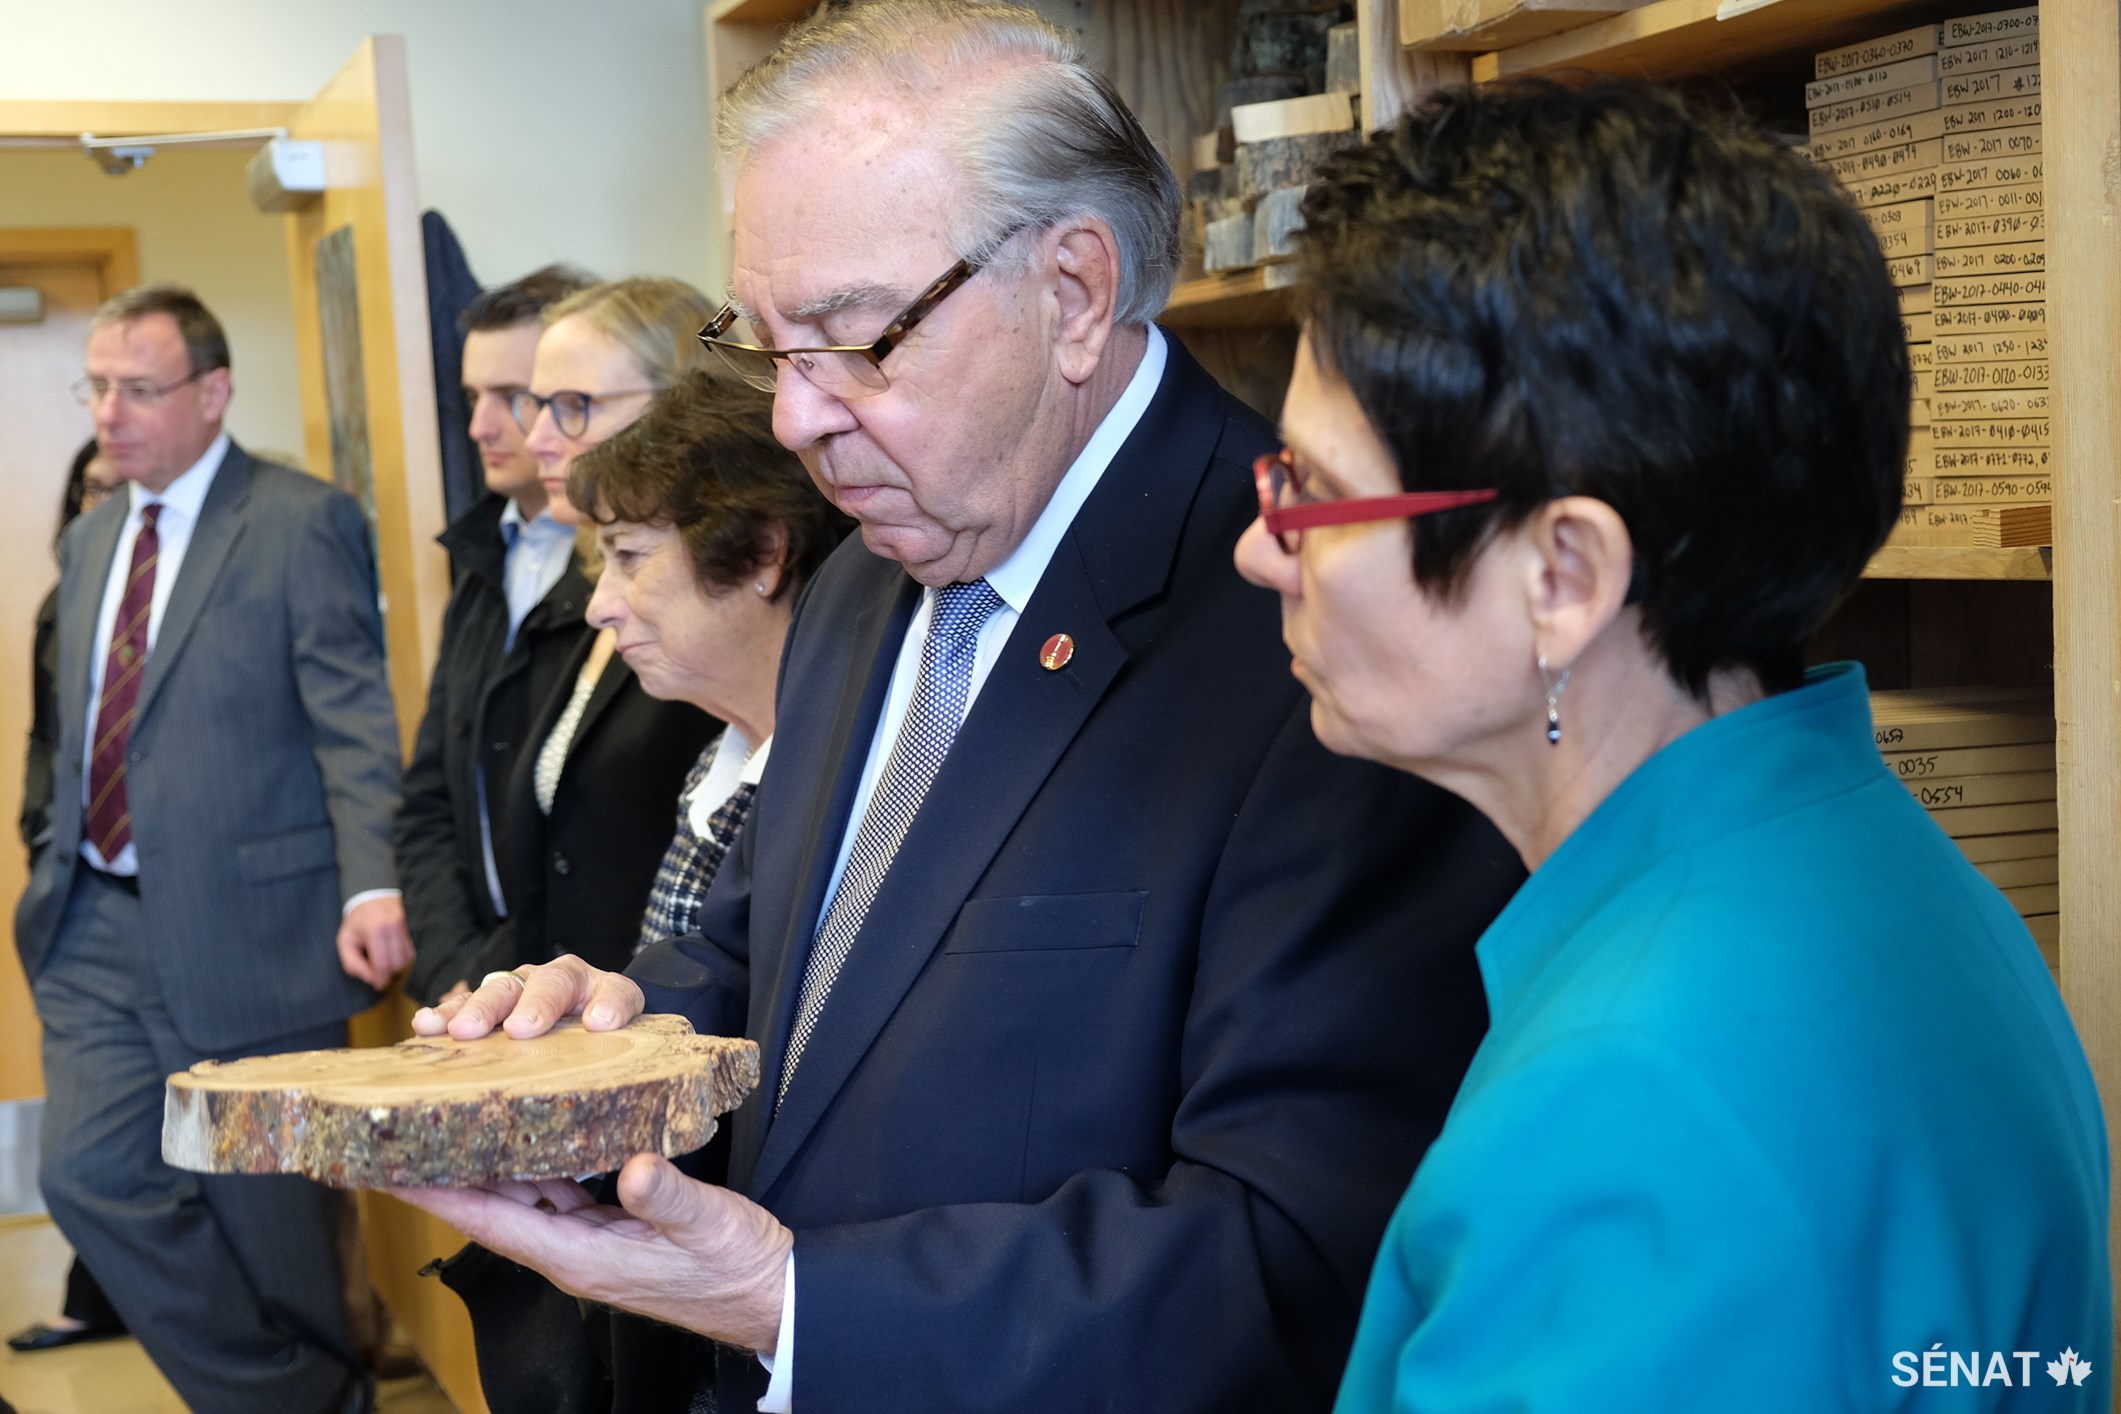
(839, 370)
(571, 410)
(134, 392)
(1287, 515)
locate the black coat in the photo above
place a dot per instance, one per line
(43, 727)
(581, 876)
(479, 709)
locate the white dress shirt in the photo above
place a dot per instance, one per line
(736, 763)
(180, 502)
(1014, 579)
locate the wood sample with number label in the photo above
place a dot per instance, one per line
(433, 1110)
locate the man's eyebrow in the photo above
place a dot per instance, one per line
(849, 297)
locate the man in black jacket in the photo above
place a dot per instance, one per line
(513, 622)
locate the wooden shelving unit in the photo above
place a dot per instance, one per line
(1165, 59)
(1675, 38)
(1951, 562)
(1239, 299)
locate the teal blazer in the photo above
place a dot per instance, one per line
(1779, 1111)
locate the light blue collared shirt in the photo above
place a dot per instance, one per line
(538, 553)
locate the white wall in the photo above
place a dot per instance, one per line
(544, 130)
(195, 227)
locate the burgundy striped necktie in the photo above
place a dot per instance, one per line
(110, 819)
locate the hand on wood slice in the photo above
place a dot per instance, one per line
(437, 1110)
(527, 1001)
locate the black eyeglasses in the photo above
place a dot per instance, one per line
(571, 410)
(841, 370)
(138, 392)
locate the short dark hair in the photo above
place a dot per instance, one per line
(76, 487)
(205, 342)
(523, 301)
(1614, 291)
(703, 459)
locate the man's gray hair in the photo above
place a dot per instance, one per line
(1039, 137)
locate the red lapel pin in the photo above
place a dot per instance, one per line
(1055, 655)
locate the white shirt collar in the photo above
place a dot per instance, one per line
(1016, 577)
(755, 764)
(187, 493)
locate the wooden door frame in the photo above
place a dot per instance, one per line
(113, 250)
(61, 123)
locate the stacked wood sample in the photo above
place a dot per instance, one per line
(432, 1110)
(1982, 762)
(1873, 111)
(1936, 133)
(1292, 105)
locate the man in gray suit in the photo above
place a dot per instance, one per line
(225, 784)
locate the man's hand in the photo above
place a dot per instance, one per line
(526, 1002)
(373, 943)
(680, 1251)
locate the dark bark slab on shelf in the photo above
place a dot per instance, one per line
(432, 1110)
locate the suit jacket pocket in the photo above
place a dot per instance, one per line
(281, 856)
(1048, 923)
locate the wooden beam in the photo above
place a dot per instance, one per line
(113, 249)
(2081, 135)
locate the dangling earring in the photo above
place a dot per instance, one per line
(1554, 691)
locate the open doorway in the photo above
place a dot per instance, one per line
(78, 235)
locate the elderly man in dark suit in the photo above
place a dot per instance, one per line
(1102, 1012)
(219, 879)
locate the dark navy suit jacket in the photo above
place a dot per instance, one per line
(1154, 1014)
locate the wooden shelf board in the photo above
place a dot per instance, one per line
(1674, 38)
(1238, 299)
(1954, 562)
(758, 12)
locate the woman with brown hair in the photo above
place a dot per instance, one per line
(709, 529)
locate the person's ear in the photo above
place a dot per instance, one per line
(1578, 564)
(773, 564)
(1086, 267)
(215, 389)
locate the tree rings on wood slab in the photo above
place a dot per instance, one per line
(433, 1110)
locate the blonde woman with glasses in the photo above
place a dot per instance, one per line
(589, 806)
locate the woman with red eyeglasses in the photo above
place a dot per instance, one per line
(1601, 405)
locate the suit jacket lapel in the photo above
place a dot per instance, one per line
(80, 603)
(829, 785)
(220, 526)
(1116, 555)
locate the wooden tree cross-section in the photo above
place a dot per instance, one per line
(432, 1110)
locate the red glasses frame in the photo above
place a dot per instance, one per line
(1287, 524)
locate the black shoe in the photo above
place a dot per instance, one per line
(43, 1337)
(359, 1396)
